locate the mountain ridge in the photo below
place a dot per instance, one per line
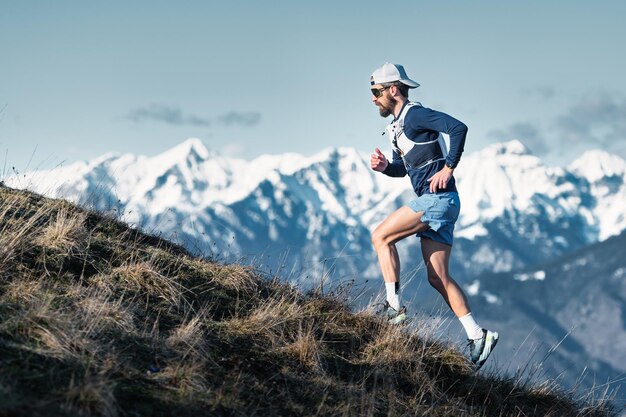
(505, 192)
(577, 300)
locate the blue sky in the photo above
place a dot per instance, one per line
(79, 79)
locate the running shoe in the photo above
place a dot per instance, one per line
(392, 315)
(396, 317)
(480, 349)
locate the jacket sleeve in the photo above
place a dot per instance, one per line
(441, 122)
(396, 167)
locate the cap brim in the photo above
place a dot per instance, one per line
(409, 83)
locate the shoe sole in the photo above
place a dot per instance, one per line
(399, 319)
(490, 343)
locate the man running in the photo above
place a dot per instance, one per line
(419, 150)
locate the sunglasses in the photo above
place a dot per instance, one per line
(377, 92)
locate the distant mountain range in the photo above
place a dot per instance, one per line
(311, 212)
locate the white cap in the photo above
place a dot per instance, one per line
(389, 73)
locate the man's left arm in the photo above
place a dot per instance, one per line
(457, 130)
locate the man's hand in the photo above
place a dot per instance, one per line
(379, 161)
(440, 179)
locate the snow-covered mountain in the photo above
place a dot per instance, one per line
(605, 175)
(564, 317)
(517, 211)
(321, 209)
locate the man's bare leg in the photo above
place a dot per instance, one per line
(437, 258)
(400, 224)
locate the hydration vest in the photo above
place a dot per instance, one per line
(416, 155)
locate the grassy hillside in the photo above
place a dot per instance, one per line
(97, 319)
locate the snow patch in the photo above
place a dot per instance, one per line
(473, 288)
(491, 298)
(619, 273)
(471, 232)
(536, 276)
(596, 164)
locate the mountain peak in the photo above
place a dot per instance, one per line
(597, 164)
(191, 146)
(513, 147)
(197, 146)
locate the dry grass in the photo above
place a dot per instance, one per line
(189, 336)
(186, 379)
(20, 221)
(46, 328)
(32, 307)
(241, 279)
(100, 313)
(307, 347)
(97, 319)
(24, 291)
(55, 342)
(92, 395)
(278, 320)
(143, 277)
(64, 232)
(391, 347)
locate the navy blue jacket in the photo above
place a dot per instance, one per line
(421, 125)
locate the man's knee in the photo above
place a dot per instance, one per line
(438, 275)
(381, 238)
(434, 279)
(378, 238)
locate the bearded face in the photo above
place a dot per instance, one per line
(386, 104)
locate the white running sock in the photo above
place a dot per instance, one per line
(393, 294)
(473, 330)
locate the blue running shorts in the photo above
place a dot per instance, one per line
(441, 211)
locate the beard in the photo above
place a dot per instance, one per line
(385, 109)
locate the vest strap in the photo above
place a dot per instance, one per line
(415, 155)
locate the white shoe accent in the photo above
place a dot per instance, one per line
(490, 342)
